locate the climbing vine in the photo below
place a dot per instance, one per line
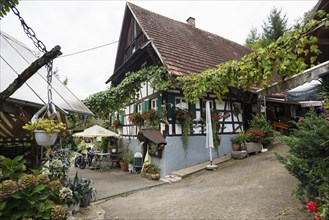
(115, 98)
(287, 56)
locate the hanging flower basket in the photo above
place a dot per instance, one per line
(45, 130)
(44, 138)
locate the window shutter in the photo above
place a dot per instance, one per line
(145, 106)
(192, 108)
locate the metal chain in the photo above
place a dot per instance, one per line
(42, 48)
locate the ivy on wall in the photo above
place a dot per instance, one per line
(115, 98)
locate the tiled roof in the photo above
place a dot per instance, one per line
(185, 49)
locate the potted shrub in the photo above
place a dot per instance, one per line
(45, 130)
(127, 159)
(82, 191)
(235, 143)
(151, 171)
(137, 118)
(116, 124)
(254, 140)
(185, 117)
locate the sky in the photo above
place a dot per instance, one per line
(81, 25)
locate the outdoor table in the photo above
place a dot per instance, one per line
(115, 158)
(104, 159)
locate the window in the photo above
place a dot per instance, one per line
(154, 104)
(139, 107)
(181, 103)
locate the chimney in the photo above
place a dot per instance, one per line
(191, 21)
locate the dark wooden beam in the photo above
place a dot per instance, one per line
(29, 72)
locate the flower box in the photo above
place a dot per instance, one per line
(254, 147)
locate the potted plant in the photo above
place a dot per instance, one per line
(185, 117)
(127, 158)
(151, 171)
(82, 191)
(116, 124)
(137, 118)
(45, 130)
(152, 119)
(254, 140)
(235, 143)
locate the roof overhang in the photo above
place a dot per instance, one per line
(152, 135)
(128, 65)
(296, 80)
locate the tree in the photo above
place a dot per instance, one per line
(276, 25)
(253, 38)
(5, 7)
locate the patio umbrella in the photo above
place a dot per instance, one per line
(209, 136)
(96, 131)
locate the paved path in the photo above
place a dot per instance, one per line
(254, 188)
(112, 182)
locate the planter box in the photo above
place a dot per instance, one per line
(239, 154)
(254, 147)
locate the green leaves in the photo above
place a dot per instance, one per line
(286, 57)
(5, 7)
(115, 98)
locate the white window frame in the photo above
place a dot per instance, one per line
(181, 101)
(139, 108)
(154, 104)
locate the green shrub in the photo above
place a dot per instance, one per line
(308, 160)
(30, 195)
(260, 122)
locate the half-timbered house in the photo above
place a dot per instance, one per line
(148, 38)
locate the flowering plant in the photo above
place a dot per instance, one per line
(137, 118)
(318, 211)
(45, 124)
(151, 115)
(49, 198)
(183, 114)
(116, 124)
(255, 135)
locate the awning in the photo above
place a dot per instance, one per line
(151, 134)
(305, 92)
(304, 104)
(296, 80)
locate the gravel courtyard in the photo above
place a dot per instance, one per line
(254, 188)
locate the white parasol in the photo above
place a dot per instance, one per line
(96, 131)
(209, 136)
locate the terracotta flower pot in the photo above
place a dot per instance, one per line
(123, 166)
(155, 176)
(235, 146)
